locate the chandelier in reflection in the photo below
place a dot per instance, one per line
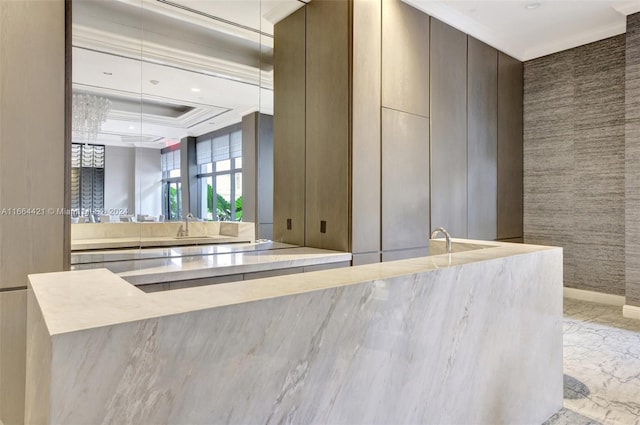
(88, 114)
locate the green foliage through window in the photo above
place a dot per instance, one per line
(223, 207)
(174, 209)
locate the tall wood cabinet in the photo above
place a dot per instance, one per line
(510, 160)
(482, 140)
(328, 94)
(289, 100)
(334, 146)
(389, 123)
(448, 129)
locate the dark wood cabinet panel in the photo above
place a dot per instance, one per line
(405, 58)
(510, 159)
(383, 132)
(265, 170)
(405, 184)
(482, 139)
(249, 168)
(448, 129)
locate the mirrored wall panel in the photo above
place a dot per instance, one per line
(172, 104)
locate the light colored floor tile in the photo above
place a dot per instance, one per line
(601, 366)
(569, 417)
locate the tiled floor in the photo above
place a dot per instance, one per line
(601, 366)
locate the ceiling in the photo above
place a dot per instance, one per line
(176, 68)
(527, 29)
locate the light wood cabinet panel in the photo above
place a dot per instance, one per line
(328, 125)
(32, 156)
(289, 129)
(365, 164)
(13, 330)
(405, 58)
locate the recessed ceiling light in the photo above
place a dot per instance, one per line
(195, 89)
(154, 82)
(532, 6)
(131, 127)
(107, 73)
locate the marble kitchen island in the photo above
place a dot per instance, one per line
(158, 269)
(474, 337)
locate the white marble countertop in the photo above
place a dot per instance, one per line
(141, 267)
(143, 272)
(77, 300)
(111, 255)
(127, 242)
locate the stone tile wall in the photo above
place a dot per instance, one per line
(574, 161)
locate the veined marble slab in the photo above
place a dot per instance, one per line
(473, 337)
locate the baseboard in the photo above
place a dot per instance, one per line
(594, 297)
(631, 311)
(628, 311)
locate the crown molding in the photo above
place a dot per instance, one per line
(187, 120)
(128, 137)
(194, 117)
(282, 10)
(197, 118)
(469, 26)
(628, 8)
(586, 37)
(511, 47)
(108, 42)
(109, 92)
(200, 20)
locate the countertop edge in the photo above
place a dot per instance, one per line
(86, 299)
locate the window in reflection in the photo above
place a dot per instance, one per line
(220, 174)
(173, 200)
(87, 180)
(219, 199)
(174, 72)
(237, 177)
(172, 189)
(223, 197)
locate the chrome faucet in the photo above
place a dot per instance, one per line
(186, 220)
(447, 237)
(182, 232)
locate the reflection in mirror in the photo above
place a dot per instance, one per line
(175, 94)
